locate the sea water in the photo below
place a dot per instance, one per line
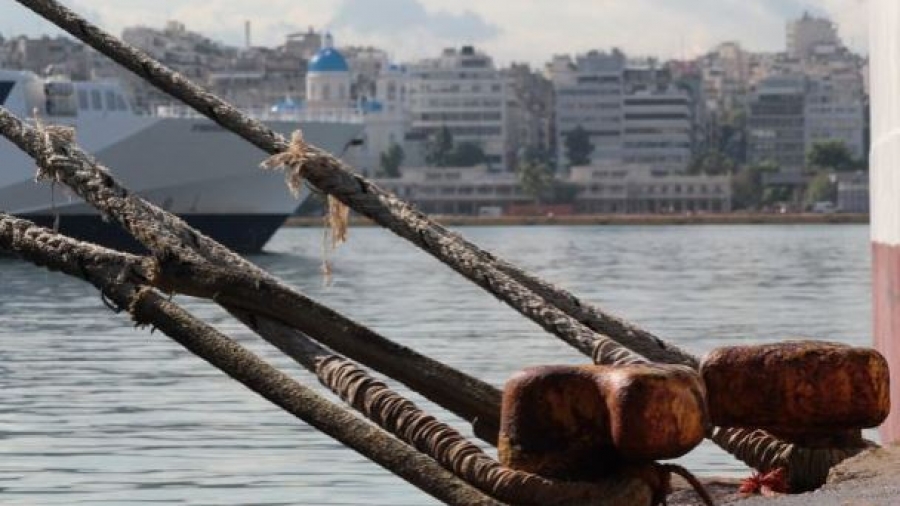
(93, 411)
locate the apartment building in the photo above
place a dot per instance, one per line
(589, 94)
(658, 128)
(463, 91)
(775, 123)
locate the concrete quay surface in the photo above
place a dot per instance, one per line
(869, 479)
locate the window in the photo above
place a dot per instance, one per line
(84, 102)
(110, 100)
(96, 100)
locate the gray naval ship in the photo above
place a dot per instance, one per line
(179, 161)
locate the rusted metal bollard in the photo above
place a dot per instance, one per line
(815, 396)
(584, 422)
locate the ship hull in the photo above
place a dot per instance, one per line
(189, 167)
(243, 233)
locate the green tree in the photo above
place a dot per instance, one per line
(536, 178)
(747, 185)
(439, 148)
(578, 147)
(467, 154)
(712, 162)
(390, 161)
(821, 188)
(834, 155)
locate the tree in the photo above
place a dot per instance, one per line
(747, 185)
(820, 188)
(391, 160)
(439, 148)
(832, 155)
(536, 178)
(467, 154)
(579, 147)
(712, 162)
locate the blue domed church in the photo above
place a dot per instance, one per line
(328, 79)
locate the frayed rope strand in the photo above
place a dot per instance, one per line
(337, 215)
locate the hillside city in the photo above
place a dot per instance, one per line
(597, 132)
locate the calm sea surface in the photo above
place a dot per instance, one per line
(95, 412)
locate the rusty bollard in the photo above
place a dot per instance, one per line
(817, 396)
(584, 422)
(801, 391)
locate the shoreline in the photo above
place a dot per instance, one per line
(619, 219)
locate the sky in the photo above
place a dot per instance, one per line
(509, 30)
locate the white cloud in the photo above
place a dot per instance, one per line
(527, 30)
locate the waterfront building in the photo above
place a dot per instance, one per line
(631, 188)
(775, 123)
(658, 127)
(853, 192)
(835, 110)
(463, 91)
(589, 94)
(609, 188)
(457, 190)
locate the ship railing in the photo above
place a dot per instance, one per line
(265, 114)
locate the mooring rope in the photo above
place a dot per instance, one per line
(120, 277)
(608, 352)
(331, 176)
(173, 242)
(450, 448)
(807, 468)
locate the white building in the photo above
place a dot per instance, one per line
(328, 79)
(386, 117)
(657, 128)
(835, 110)
(853, 192)
(617, 188)
(457, 190)
(589, 94)
(463, 91)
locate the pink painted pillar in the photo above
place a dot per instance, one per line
(884, 61)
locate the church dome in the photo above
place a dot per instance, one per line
(328, 59)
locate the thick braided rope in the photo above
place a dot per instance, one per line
(301, 160)
(168, 237)
(807, 468)
(101, 267)
(756, 448)
(452, 450)
(607, 352)
(331, 176)
(56, 252)
(358, 193)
